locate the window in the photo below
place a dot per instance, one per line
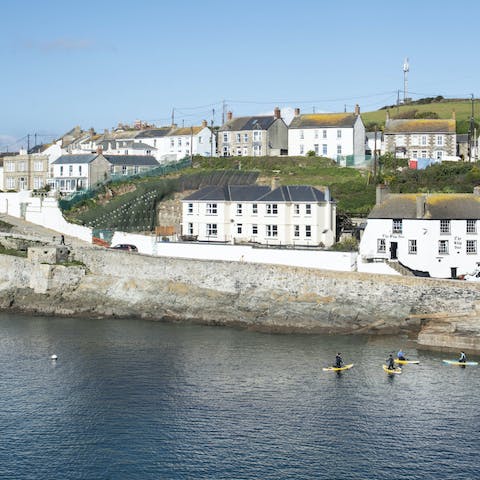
(423, 154)
(324, 149)
(443, 247)
(239, 208)
(245, 151)
(471, 226)
(22, 166)
(423, 140)
(38, 166)
(272, 231)
(61, 170)
(179, 142)
(302, 136)
(239, 137)
(135, 169)
(445, 226)
(254, 229)
(414, 153)
(190, 208)
(315, 134)
(37, 182)
(308, 231)
(70, 170)
(10, 166)
(339, 134)
(439, 140)
(245, 137)
(397, 225)
(257, 150)
(302, 149)
(225, 151)
(471, 247)
(80, 170)
(211, 229)
(412, 247)
(316, 148)
(439, 154)
(239, 228)
(225, 137)
(296, 209)
(254, 208)
(239, 152)
(381, 245)
(172, 143)
(296, 230)
(308, 209)
(272, 209)
(190, 229)
(124, 170)
(257, 136)
(339, 149)
(10, 183)
(200, 140)
(324, 134)
(211, 208)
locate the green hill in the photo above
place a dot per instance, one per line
(440, 107)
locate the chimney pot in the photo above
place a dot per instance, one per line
(277, 113)
(229, 116)
(382, 193)
(297, 112)
(357, 109)
(99, 150)
(204, 123)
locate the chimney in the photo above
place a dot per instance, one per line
(91, 132)
(204, 123)
(229, 116)
(476, 191)
(326, 194)
(276, 113)
(297, 112)
(382, 193)
(387, 116)
(357, 109)
(421, 202)
(99, 150)
(273, 183)
(454, 115)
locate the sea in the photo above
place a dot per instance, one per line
(134, 399)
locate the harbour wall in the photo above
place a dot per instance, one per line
(271, 298)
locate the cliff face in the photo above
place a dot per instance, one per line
(269, 298)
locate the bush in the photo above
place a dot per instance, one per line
(347, 245)
(311, 153)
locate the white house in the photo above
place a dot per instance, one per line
(289, 215)
(78, 172)
(435, 235)
(188, 141)
(332, 135)
(130, 164)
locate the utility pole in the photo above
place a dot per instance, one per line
(211, 132)
(173, 116)
(470, 131)
(345, 108)
(223, 111)
(314, 109)
(35, 140)
(375, 156)
(406, 69)
(28, 142)
(191, 144)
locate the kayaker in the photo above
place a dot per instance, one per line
(463, 358)
(401, 355)
(390, 363)
(338, 361)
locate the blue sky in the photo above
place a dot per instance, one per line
(98, 63)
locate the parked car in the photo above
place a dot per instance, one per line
(125, 246)
(473, 277)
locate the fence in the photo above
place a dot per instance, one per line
(356, 161)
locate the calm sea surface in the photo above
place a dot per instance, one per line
(130, 399)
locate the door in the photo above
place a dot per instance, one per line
(393, 250)
(453, 272)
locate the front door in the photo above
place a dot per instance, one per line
(393, 250)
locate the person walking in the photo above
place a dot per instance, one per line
(62, 240)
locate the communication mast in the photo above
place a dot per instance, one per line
(406, 69)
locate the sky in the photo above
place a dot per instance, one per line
(100, 63)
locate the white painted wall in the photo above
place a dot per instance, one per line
(427, 233)
(1, 178)
(314, 136)
(340, 261)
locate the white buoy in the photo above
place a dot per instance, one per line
(53, 357)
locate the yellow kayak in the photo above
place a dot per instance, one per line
(390, 371)
(406, 362)
(336, 369)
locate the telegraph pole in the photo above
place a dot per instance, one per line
(28, 143)
(470, 131)
(173, 116)
(375, 156)
(223, 111)
(211, 132)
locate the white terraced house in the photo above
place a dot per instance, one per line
(436, 235)
(289, 215)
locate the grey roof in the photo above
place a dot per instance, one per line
(249, 123)
(462, 137)
(251, 193)
(441, 206)
(80, 158)
(141, 146)
(154, 132)
(148, 160)
(294, 193)
(235, 193)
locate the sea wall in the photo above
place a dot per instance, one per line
(262, 297)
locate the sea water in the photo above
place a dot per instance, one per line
(131, 399)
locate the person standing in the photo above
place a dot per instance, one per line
(390, 363)
(338, 361)
(62, 240)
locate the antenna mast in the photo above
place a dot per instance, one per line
(406, 69)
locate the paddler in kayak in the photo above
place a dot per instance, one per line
(463, 358)
(390, 363)
(338, 361)
(401, 355)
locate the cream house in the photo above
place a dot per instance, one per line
(288, 215)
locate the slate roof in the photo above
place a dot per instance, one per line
(154, 132)
(80, 158)
(141, 160)
(423, 125)
(251, 193)
(462, 138)
(442, 206)
(324, 120)
(260, 122)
